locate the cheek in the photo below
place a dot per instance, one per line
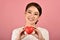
(36, 17)
(27, 14)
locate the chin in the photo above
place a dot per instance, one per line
(31, 22)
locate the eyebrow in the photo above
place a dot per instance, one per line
(36, 12)
(29, 10)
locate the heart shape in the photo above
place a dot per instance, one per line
(29, 29)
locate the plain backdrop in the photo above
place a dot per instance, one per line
(12, 17)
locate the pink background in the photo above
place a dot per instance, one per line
(12, 16)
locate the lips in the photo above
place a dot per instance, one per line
(31, 19)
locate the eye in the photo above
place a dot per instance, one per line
(35, 14)
(29, 12)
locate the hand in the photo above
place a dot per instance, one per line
(38, 34)
(22, 34)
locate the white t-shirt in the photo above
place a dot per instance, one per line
(43, 31)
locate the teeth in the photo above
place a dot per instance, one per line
(30, 19)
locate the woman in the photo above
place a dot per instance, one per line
(32, 13)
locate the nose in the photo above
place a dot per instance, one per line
(32, 16)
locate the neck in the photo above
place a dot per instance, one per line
(30, 24)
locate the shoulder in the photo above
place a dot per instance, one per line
(16, 33)
(43, 29)
(44, 32)
(17, 30)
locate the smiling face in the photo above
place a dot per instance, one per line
(31, 15)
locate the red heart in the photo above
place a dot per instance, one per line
(29, 29)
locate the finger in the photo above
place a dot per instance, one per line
(22, 32)
(36, 31)
(23, 36)
(35, 27)
(39, 33)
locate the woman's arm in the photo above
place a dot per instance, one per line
(16, 34)
(44, 33)
(41, 34)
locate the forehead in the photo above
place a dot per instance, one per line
(32, 8)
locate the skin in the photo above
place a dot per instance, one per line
(31, 16)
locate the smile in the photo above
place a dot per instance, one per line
(30, 19)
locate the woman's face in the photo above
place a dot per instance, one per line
(32, 14)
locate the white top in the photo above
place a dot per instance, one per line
(43, 31)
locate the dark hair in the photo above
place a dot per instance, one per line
(35, 5)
